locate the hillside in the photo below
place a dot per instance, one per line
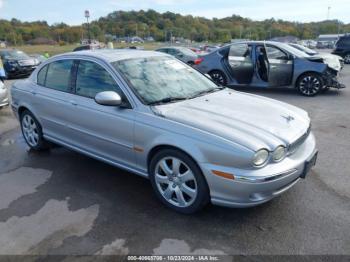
(162, 25)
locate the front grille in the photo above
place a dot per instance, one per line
(26, 62)
(297, 143)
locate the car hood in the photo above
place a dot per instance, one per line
(249, 120)
(331, 60)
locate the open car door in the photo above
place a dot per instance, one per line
(241, 63)
(281, 66)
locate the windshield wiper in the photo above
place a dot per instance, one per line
(167, 100)
(208, 91)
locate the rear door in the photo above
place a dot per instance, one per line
(53, 94)
(281, 66)
(241, 63)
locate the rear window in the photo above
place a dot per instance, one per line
(58, 75)
(240, 50)
(344, 41)
(42, 76)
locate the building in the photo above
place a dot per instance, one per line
(327, 41)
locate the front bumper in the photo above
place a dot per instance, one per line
(20, 71)
(330, 80)
(256, 186)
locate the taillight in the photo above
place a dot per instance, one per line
(198, 61)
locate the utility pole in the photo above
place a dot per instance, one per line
(328, 12)
(87, 16)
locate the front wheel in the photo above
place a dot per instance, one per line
(178, 182)
(310, 84)
(347, 58)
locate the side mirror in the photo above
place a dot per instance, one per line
(108, 98)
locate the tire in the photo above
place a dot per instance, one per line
(183, 189)
(218, 77)
(32, 132)
(347, 58)
(310, 84)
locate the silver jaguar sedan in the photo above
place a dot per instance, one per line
(157, 117)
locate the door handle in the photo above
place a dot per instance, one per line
(273, 66)
(33, 92)
(73, 102)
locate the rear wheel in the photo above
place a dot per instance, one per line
(347, 58)
(178, 182)
(218, 77)
(32, 132)
(310, 84)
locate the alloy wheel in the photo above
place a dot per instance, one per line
(30, 130)
(218, 78)
(310, 85)
(347, 59)
(176, 182)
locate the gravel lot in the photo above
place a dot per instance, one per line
(61, 202)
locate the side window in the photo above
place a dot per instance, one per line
(275, 53)
(92, 79)
(41, 77)
(59, 75)
(240, 50)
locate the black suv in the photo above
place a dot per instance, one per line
(17, 63)
(342, 48)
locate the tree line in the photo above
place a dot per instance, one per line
(163, 26)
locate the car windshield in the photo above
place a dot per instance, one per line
(16, 54)
(163, 79)
(293, 50)
(304, 49)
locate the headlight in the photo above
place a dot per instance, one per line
(12, 63)
(260, 157)
(279, 153)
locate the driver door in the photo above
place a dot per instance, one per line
(281, 67)
(105, 131)
(241, 63)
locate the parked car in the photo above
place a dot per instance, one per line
(268, 64)
(333, 61)
(157, 117)
(39, 57)
(210, 48)
(87, 47)
(4, 100)
(17, 63)
(184, 54)
(342, 48)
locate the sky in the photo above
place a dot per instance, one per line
(72, 11)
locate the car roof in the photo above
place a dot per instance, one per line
(112, 55)
(259, 42)
(174, 47)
